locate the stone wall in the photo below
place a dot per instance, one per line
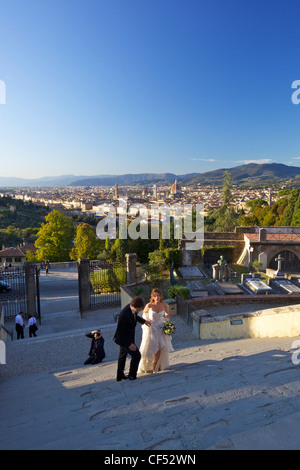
(269, 323)
(235, 239)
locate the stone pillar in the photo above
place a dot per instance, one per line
(262, 234)
(216, 270)
(263, 258)
(187, 256)
(30, 288)
(197, 316)
(131, 267)
(84, 284)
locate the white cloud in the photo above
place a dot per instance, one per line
(204, 159)
(296, 158)
(260, 162)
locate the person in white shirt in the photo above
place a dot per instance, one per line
(19, 325)
(31, 325)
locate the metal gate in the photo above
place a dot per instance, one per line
(290, 262)
(106, 280)
(184, 309)
(13, 292)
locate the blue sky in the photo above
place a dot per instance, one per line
(131, 86)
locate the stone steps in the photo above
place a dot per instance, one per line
(215, 395)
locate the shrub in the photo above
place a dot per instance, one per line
(257, 265)
(182, 291)
(165, 257)
(173, 254)
(158, 258)
(108, 280)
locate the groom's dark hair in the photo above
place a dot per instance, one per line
(137, 302)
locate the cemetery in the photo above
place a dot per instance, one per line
(261, 302)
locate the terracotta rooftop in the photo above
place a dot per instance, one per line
(12, 251)
(273, 237)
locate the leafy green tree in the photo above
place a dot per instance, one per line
(122, 249)
(226, 190)
(285, 212)
(225, 218)
(107, 244)
(288, 214)
(142, 248)
(226, 212)
(55, 238)
(86, 244)
(296, 212)
(30, 257)
(247, 220)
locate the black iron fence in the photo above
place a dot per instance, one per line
(106, 280)
(12, 291)
(16, 290)
(185, 309)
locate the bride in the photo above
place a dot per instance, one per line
(155, 345)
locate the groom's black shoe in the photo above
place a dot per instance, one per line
(130, 377)
(123, 377)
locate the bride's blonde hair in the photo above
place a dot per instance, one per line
(156, 291)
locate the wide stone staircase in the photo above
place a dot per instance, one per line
(242, 394)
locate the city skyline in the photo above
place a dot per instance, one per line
(93, 88)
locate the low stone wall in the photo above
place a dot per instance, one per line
(67, 264)
(5, 335)
(202, 302)
(269, 323)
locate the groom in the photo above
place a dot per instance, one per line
(124, 337)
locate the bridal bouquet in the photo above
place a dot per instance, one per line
(168, 327)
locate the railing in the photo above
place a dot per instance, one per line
(185, 309)
(106, 280)
(12, 291)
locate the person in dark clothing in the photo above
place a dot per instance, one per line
(124, 337)
(96, 353)
(20, 325)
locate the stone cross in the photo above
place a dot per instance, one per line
(279, 259)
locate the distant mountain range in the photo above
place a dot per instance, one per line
(250, 174)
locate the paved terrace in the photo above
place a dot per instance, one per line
(241, 394)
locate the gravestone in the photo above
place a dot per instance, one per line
(197, 289)
(229, 288)
(191, 272)
(287, 286)
(257, 286)
(279, 273)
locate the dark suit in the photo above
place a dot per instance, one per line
(124, 337)
(96, 353)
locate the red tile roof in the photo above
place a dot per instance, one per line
(12, 251)
(273, 237)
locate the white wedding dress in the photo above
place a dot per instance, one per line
(153, 340)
